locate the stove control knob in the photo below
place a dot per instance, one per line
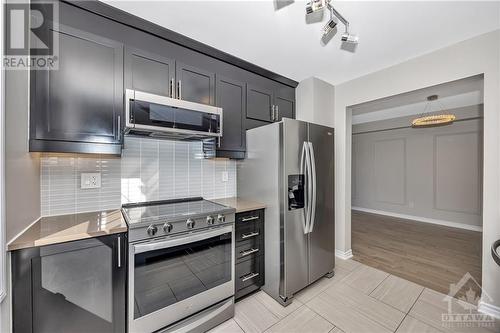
(190, 223)
(221, 218)
(152, 230)
(210, 220)
(167, 227)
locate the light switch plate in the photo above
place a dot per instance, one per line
(225, 176)
(90, 180)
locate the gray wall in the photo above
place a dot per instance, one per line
(22, 169)
(315, 101)
(428, 173)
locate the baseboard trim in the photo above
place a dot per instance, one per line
(343, 255)
(421, 219)
(489, 309)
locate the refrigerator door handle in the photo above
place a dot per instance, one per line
(309, 186)
(304, 171)
(313, 183)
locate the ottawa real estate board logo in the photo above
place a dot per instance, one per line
(31, 39)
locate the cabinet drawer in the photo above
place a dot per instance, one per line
(249, 249)
(247, 217)
(250, 272)
(248, 232)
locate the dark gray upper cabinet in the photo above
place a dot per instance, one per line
(194, 84)
(78, 107)
(231, 97)
(284, 108)
(259, 103)
(149, 72)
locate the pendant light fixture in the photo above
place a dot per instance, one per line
(433, 120)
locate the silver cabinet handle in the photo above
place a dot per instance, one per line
(172, 88)
(277, 113)
(179, 89)
(119, 252)
(246, 219)
(119, 120)
(249, 276)
(248, 252)
(272, 113)
(250, 235)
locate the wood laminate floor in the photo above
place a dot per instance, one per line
(430, 255)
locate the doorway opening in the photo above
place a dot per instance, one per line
(417, 191)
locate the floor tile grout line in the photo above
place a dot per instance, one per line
(408, 313)
(280, 320)
(388, 274)
(334, 325)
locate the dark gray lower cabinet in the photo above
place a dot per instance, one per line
(249, 233)
(231, 97)
(73, 287)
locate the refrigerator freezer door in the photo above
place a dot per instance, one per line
(295, 275)
(322, 237)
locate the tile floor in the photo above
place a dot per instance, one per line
(357, 299)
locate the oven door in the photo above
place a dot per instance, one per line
(172, 278)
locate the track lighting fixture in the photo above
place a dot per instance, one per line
(315, 6)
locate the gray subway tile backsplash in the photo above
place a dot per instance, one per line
(148, 170)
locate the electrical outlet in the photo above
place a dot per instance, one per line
(225, 176)
(90, 180)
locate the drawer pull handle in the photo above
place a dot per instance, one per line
(251, 218)
(250, 235)
(248, 252)
(249, 276)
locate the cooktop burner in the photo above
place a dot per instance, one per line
(159, 218)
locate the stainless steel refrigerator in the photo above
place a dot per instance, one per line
(290, 168)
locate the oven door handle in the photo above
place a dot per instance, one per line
(180, 240)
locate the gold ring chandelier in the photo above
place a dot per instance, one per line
(433, 120)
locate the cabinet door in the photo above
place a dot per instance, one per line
(194, 84)
(231, 97)
(284, 108)
(259, 103)
(73, 287)
(82, 101)
(149, 72)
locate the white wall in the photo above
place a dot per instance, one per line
(429, 174)
(479, 55)
(315, 101)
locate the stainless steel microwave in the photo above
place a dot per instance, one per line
(161, 116)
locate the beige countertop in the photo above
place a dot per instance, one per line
(64, 228)
(241, 205)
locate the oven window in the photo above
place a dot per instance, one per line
(151, 114)
(166, 276)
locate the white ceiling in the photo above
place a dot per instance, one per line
(390, 32)
(455, 94)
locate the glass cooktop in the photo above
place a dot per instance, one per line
(168, 210)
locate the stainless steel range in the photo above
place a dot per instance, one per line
(181, 265)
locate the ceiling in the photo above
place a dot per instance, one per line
(280, 40)
(455, 94)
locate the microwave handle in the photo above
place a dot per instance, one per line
(171, 88)
(179, 89)
(181, 240)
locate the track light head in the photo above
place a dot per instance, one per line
(329, 27)
(314, 6)
(349, 38)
